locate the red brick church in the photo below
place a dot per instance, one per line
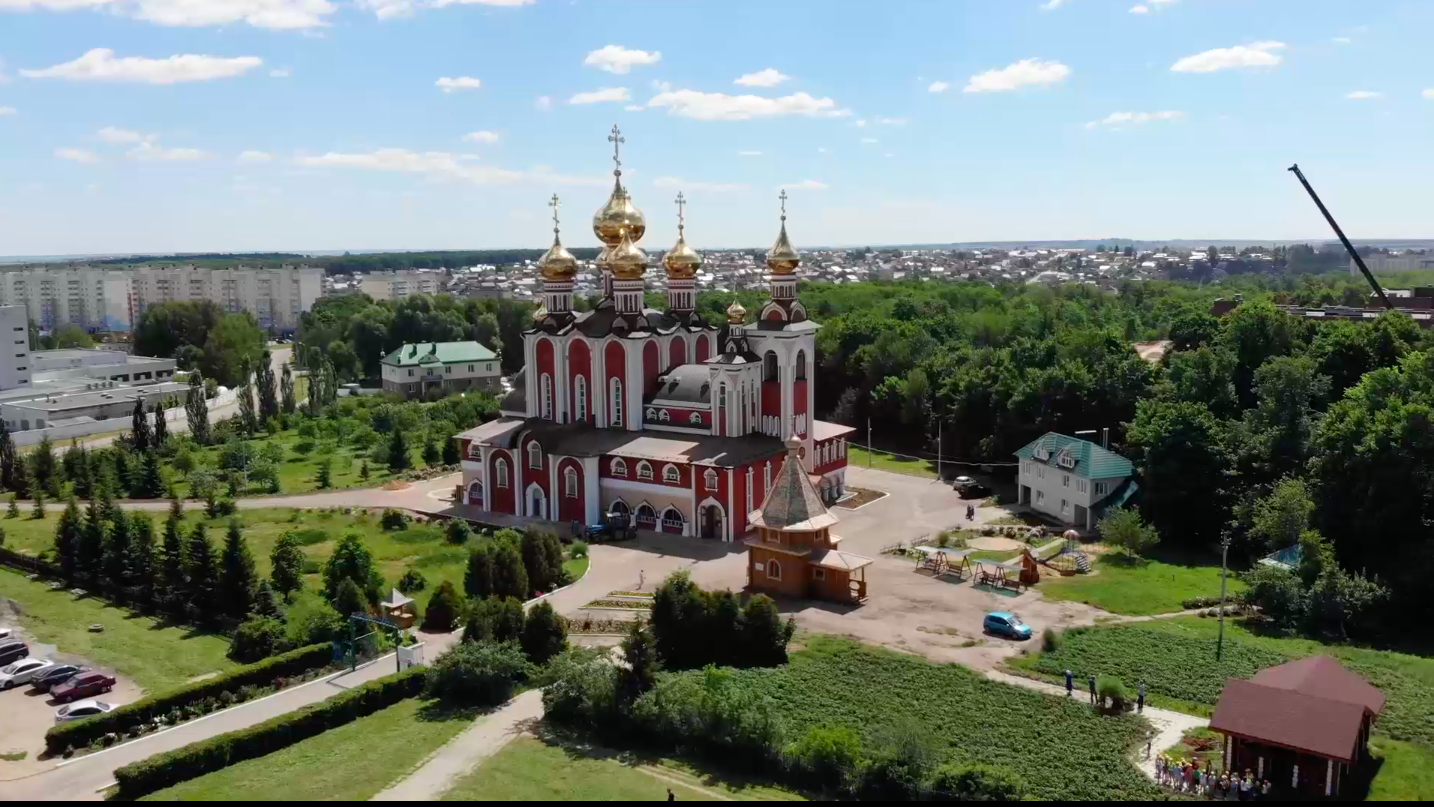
(662, 415)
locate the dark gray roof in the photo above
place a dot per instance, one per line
(683, 384)
(582, 440)
(604, 320)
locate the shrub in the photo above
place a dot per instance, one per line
(976, 783)
(144, 710)
(256, 638)
(458, 531)
(206, 756)
(905, 754)
(828, 757)
(580, 688)
(1111, 689)
(394, 519)
(412, 581)
(545, 634)
(694, 628)
(477, 673)
(1050, 640)
(444, 606)
(580, 549)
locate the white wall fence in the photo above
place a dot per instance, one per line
(61, 433)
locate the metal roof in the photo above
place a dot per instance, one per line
(438, 353)
(1089, 460)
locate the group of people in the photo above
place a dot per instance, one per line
(1094, 698)
(1187, 777)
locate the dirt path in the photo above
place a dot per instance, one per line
(486, 737)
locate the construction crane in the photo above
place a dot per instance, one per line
(1358, 261)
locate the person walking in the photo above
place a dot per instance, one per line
(1140, 698)
(670, 795)
(1070, 683)
(642, 581)
(1092, 689)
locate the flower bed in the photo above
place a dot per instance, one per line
(641, 594)
(635, 605)
(588, 626)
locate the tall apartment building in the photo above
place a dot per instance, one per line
(276, 297)
(94, 298)
(404, 283)
(1403, 262)
(14, 347)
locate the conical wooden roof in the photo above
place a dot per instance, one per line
(793, 504)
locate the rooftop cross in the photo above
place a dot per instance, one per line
(616, 139)
(553, 203)
(681, 203)
(783, 197)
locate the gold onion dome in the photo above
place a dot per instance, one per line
(682, 261)
(618, 215)
(626, 260)
(541, 314)
(557, 263)
(782, 259)
(735, 313)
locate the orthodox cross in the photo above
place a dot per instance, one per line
(616, 139)
(681, 203)
(783, 197)
(553, 203)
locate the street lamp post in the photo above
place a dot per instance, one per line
(1224, 554)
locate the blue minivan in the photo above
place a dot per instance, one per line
(1003, 623)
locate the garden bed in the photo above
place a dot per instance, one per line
(620, 604)
(863, 497)
(587, 625)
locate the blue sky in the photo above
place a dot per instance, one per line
(138, 125)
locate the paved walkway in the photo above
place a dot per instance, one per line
(486, 737)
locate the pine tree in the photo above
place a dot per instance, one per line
(13, 510)
(639, 674)
(237, 577)
(140, 563)
(161, 426)
(324, 477)
(478, 577)
(43, 469)
(510, 579)
(9, 461)
(114, 565)
(535, 561)
(92, 543)
(150, 479)
(450, 452)
(352, 561)
(196, 409)
(139, 427)
(286, 387)
(75, 464)
(364, 472)
(67, 541)
(397, 452)
(268, 394)
(545, 634)
(173, 582)
(22, 478)
(349, 599)
(202, 575)
(432, 454)
(248, 419)
(287, 560)
(37, 509)
(265, 603)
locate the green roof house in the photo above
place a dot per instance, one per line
(438, 368)
(1073, 480)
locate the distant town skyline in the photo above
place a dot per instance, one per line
(145, 126)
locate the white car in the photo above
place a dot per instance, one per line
(81, 710)
(22, 671)
(5, 633)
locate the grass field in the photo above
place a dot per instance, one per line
(349, 763)
(889, 462)
(1139, 587)
(154, 657)
(532, 770)
(1406, 772)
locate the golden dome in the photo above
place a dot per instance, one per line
(781, 258)
(682, 261)
(626, 261)
(557, 264)
(735, 313)
(619, 214)
(541, 314)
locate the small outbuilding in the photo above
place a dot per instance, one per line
(400, 609)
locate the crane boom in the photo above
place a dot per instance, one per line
(1358, 261)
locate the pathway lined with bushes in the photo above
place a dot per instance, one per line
(487, 736)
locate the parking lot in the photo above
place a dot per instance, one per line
(26, 714)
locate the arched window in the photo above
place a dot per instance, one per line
(535, 455)
(769, 366)
(500, 472)
(663, 416)
(619, 468)
(581, 394)
(695, 417)
(616, 409)
(710, 479)
(619, 508)
(722, 395)
(671, 474)
(742, 410)
(766, 479)
(546, 382)
(672, 520)
(801, 367)
(774, 570)
(644, 471)
(646, 517)
(570, 483)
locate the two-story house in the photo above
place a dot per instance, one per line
(414, 370)
(1073, 480)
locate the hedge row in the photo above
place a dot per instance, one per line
(216, 753)
(145, 710)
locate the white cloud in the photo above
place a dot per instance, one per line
(430, 163)
(822, 150)
(605, 95)
(620, 60)
(7, 110)
(272, 14)
(481, 137)
(502, 3)
(1150, 5)
(1342, 40)
(749, 154)
(634, 108)
(891, 121)
(1123, 118)
(714, 187)
(1027, 72)
(100, 64)
(149, 152)
(280, 72)
(720, 106)
(449, 84)
(77, 155)
(938, 86)
(387, 9)
(1429, 94)
(1052, 5)
(805, 185)
(1257, 54)
(113, 134)
(763, 78)
(1140, 9)
(868, 140)
(543, 103)
(1364, 95)
(861, 124)
(255, 157)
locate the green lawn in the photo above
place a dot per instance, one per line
(532, 770)
(154, 657)
(576, 567)
(350, 763)
(1139, 587)
(1406, 772)
(993, 555)
(888, 462)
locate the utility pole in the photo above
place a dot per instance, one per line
(1224, 555)
(938, 450)
(868, 441)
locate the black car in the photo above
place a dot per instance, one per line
(969, 488)
(12, 650)
(55, 675)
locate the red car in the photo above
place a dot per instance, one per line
(84, 685)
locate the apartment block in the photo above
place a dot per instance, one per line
(94, 298)
(276, 297)
(400, 284)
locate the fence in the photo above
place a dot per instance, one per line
(59, 433)
(26, 563)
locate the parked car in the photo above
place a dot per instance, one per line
(969, 488)
(12, 650)
(5, 633)
(22, 671)
(1004, 623)
(83, 685)
(613, 527)
(81, 710)
(55, 675)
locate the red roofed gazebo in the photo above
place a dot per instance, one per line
(1302, 725)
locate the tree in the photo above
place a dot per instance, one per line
(160, 437)
(476, 673)
(288, 403)
(150, 482)
(43, 469)
(324, 476)
(639, 673)
(287, 561)
(1203, 376)
(432, 454)
(202, 575)
(196, 409)
(37, 507)
(237, 577)
(505, 619)
(1124, 530)
(90, 558)
(1255, 332)
(247, 418)
(75, 465)
(510, 578)
(140, 564)
(441, 615)
(256, 639)
(117, 547)
(537, 560)
(10, 472)
(977, 783)
(232, 348)
(266, 602)
(68, 541)
(1281, 518)
(1192, 329)
(679, 611)
(363, 470)
(352, 561)
(762, 635)
(166, 327)
(457, 531)
(398, 452)
(478, 576)
(412, 581)
(68, 336)
(349, 599)
(139, 436)
(545, 634)
(268, 392)
(1279, 594)
(1182, 470)
(173, 581)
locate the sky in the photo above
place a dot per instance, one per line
(247, 125)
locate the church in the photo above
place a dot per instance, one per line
(679, 422)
